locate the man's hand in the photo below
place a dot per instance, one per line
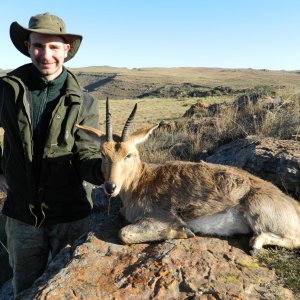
(3, 184)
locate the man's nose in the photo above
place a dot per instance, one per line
(46, 52)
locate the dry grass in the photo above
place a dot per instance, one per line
(235, 78)
(262, 119)
(202, 134)
(150, 111)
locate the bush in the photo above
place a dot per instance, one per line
(202, 134)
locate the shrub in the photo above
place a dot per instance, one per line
(202, 134)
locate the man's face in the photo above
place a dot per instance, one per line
(47, 53)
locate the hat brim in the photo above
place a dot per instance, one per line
(19, 35)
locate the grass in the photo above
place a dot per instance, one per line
(203, 132)
(150, 111)
(268, 117)
(286, 264)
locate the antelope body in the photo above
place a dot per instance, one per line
(179, 199)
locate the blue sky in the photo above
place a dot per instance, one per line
(259, 34)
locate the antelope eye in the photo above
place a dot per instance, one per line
(128, 156)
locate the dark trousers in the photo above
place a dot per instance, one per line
(29, 247)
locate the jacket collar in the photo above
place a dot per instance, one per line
(22, 75)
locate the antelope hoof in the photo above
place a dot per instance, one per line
(182, 233)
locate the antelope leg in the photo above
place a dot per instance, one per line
(268, 238)
(152, 229)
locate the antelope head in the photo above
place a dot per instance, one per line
(121, 165)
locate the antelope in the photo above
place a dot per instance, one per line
(179, 199)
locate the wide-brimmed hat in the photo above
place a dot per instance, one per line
(45, 24)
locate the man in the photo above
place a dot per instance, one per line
(45, 157)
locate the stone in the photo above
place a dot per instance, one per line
(99, 267)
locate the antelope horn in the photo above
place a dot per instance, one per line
(108, 123)
(127, 124)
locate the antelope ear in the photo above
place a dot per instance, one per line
(142, 135)
(95, 132)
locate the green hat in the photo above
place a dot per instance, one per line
(45, 24)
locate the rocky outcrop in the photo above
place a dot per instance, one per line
(99, 267)
(277, 161)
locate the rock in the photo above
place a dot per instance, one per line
(277, 161)
(98, 267)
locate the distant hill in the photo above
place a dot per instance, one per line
(121, 83)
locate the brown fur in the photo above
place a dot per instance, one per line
(178, 199)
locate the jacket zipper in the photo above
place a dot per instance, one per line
(42, 106)
(42, 171)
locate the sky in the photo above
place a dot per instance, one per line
(258, 34)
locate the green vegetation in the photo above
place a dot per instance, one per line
(232, 278)
(286, 264)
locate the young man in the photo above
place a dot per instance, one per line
(45, 158)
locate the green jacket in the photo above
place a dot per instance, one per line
(56, 194)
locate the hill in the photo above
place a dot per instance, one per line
(123, 83)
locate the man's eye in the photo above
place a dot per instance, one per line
(54, 47)
(37, 46)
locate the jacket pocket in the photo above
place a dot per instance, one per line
(60, 172)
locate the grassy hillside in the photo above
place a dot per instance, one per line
(122, 83)
(236, 78)
(166, 93)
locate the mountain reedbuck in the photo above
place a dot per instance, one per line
(177, 199)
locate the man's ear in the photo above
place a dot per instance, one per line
(67, 48)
